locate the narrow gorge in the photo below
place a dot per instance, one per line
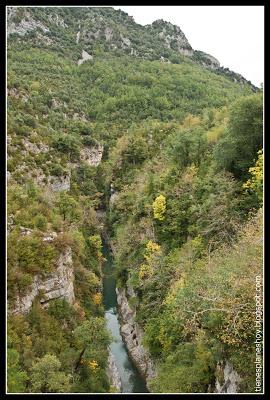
(125, 375)
(134, 209)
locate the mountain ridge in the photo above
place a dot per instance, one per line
(114, 134)
(97, 30)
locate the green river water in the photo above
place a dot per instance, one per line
(132, 381)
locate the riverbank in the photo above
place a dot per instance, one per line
(124, 375)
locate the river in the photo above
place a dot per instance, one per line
(132, 381)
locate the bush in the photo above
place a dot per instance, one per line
(35, 256)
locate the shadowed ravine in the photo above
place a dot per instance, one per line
(131, 380)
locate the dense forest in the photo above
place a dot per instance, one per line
(179, 187)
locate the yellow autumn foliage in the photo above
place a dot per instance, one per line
(92, 364)
(159, 207)
(145, 271)
(153, 247)
(152, 251)
(255, 183)
(97, 299)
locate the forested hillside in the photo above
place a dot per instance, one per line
(122, 132)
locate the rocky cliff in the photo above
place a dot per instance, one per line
(132, 335)
(113, 373)
(94, 28)
(171, 36)
(229, 379)
(56, 285)
(84, 33)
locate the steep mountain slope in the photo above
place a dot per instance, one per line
(99, 31)
(107, 115)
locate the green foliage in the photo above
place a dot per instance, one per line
(67, 144)
(214, 306)
(189, 369)
(165, 128)
(244, 137)
(91, 334)
(187, 146)
(31, 254)
(46, 376)
(68, 207)
(16, 379)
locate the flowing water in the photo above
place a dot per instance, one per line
(132, 382)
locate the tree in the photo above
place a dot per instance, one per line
(187, 145)
(46, 376)
(66, 143)
(33, 255)
(137, 150)
(255, 183)
(91, 337)
(159, 207)
(238, 147)
(68, 207)
(16, 378)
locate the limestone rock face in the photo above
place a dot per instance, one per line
(213, 61)
(27, 23)
(125, 42)
(230, 380)
(57, 20)
(92, 155)
(113, 373)
(61, 183)
(85, 57)
(35, 148)
(206, 60)
(132, 335)
(108, 34)
(172, 37)
(57, 284)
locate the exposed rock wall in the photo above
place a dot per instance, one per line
(172, 37)
(230, 381)
(27, 23)
(113, 373)
(85, 57)
(57, 284)
(132, 335)
(206, 60)
(58, 184)
(92, 155)
(34, 147)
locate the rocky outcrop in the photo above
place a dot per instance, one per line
(34, 147)
(92, 155)
(230, 379)
(57, 20)
(171, 36)
(108, 34)
(85, 57)
(57, 284)
(113, 374)
(132, 335)
(26, 25)
(78, 34)
(113, 196)
(58, 184)
(125, 42)
(206, 60)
